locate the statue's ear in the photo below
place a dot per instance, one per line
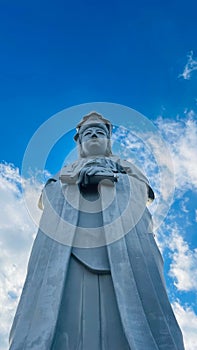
(81, 153)
(109, 151)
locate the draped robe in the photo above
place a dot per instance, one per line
(136, 264)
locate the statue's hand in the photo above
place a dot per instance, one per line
(94, 174)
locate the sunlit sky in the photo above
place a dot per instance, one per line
(59, 54)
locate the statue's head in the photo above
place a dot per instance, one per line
(93, 136)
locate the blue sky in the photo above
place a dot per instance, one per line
(56, 55)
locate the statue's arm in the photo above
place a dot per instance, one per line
(41, 199)
(133, 170)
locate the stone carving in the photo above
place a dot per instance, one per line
(95, 275)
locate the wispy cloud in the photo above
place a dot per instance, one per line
(16, 236)
(183, 261)
(181, 137)
(190, 67)
(187, 320)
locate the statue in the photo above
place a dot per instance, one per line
(97, 282)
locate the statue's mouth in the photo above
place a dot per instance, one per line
(94, 140)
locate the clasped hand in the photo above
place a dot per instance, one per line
(99, 172)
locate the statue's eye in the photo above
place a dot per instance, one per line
(100, 132)
(87, 133)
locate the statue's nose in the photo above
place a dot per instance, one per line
(94, 135)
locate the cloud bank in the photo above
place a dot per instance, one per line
(17, 231)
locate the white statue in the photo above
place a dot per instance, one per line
(95, 276)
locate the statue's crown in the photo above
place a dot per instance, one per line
(93, 118)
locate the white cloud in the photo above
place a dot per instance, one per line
(181, 137)
(169, 164)
(183, 262)
(183, 272)
(183, 205)
(16, 236)
(190, 67)
(187, 320)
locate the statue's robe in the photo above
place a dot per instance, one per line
(135, 264)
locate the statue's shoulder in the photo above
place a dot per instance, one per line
(129, 167)
(132, 170)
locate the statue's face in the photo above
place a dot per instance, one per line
(94, 141)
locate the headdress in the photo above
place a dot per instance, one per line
(93, 119)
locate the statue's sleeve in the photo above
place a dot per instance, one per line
(68, 174)
(41, 198)
(134, 171)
